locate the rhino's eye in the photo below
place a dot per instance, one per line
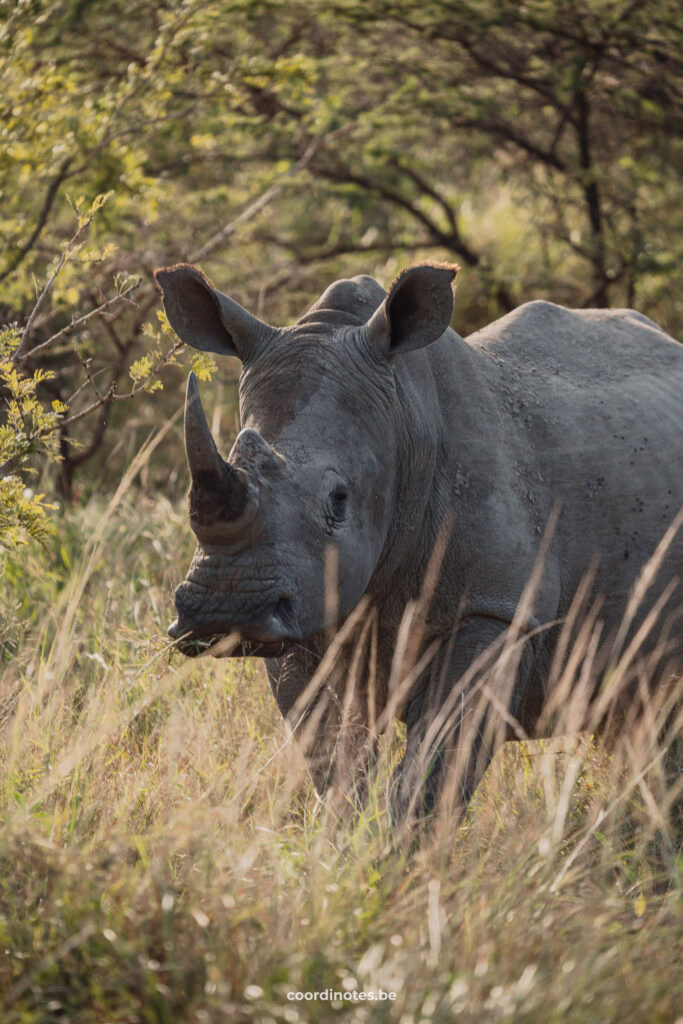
(339, 496)
(335, 506)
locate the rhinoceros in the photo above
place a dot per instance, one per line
(372, 430)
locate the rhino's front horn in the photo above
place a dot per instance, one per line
(202, 454)
(208, 470)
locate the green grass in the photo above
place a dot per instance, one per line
(164, 857)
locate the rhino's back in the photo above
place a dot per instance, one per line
(577, 380)
(581, 347)
(594, 402)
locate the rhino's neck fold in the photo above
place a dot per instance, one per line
(447, 415)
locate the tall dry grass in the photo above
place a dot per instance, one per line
(165, 858)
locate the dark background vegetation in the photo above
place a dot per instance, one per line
(281, 145)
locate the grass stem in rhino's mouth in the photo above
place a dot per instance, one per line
(222, 645)
(190, 646)
(204, 645)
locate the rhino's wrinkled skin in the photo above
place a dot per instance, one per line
(368, 424)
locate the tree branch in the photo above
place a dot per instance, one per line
(48, 202)
(119, 297)
(343, 175)
(66, 252)
(504, 130)
(591, 193)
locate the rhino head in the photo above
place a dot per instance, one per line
(316, 465)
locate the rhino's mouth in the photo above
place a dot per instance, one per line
(268, 635)
(218, 645)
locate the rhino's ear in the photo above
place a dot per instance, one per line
(416, 311)
(204, 318)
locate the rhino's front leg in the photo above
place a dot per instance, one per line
(451, 735)
(289, 677)
(332, 729)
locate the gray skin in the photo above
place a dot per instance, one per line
(367, 426)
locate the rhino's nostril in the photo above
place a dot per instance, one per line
(283, 614)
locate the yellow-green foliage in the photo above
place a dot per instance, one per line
(28, 427)
(22, 513)
(30, 420)
(144, 371)
(163, 856)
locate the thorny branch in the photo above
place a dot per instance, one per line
(119, 297)
(66, 252)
